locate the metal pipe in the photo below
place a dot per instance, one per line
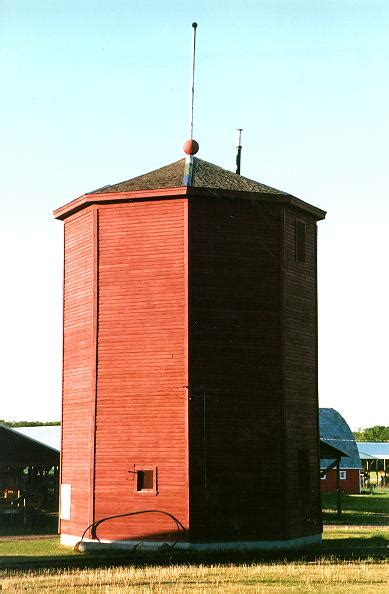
(338, 503)
(239, 153)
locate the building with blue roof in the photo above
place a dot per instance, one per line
(335, 431)
(374, 456)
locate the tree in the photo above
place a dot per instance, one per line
(28, 423)
(376, 433)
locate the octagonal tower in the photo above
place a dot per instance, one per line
(190, 361)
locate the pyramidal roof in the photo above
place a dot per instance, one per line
(194, 173)
(190, 176)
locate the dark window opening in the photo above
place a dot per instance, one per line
(144, 480)
(300, 241)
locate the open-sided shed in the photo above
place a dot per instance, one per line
(28, 472)
(375, 461)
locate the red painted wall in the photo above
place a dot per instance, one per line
(126, 316)
(78, 368)
(350, 484)
(140, 276)
(142, 365)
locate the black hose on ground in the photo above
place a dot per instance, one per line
(93, 527)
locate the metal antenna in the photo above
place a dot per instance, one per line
(239, 153)
(194, 25)
(191, 146)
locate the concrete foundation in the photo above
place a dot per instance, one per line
(145, 546)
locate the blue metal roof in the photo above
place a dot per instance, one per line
(49, 435)
(376, 449)
(335, 431)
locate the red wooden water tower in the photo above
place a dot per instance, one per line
(190, 362)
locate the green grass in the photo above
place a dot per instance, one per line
(370, 509)
(350, 559)
(361, 542)
(342, 538)
(322, 569)
(48, 547)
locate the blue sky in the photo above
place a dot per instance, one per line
(97, 92)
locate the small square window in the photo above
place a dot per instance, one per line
(342, 475)
(300, 241)
(144, 480)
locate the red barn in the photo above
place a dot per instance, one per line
(190, 361)
(335, 431)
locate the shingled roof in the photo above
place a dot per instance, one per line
(203, 175)
(187, 177)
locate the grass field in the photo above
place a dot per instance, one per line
(371, 509)
(361, 540)
(324, 576)
(351, 558)
(323, 569)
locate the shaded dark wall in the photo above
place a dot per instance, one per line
(302, 466)
(236, 414)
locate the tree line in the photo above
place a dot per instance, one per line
(376, 433)
(28, 423)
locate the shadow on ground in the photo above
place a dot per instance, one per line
(373, 549)
(20, 524)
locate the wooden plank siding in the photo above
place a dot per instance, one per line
(236, 457)
(78, 368)
(351, 484)
(142, 366)
(300, 379)
(190, 349)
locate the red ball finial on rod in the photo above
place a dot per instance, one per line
(191, 147)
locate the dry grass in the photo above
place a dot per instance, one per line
(323, 576)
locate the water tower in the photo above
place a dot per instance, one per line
(190, 361)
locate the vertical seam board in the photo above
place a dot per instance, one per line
(187, 309)
(78, 365)
(62, 380)
(282, 368)
(317, 379)
(94, 363)
(301, 363)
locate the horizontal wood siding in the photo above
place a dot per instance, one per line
(142, 366)
(301, 398)
(78, 369)
(351, 484)
(234, 368)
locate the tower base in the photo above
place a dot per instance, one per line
(150, 546)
